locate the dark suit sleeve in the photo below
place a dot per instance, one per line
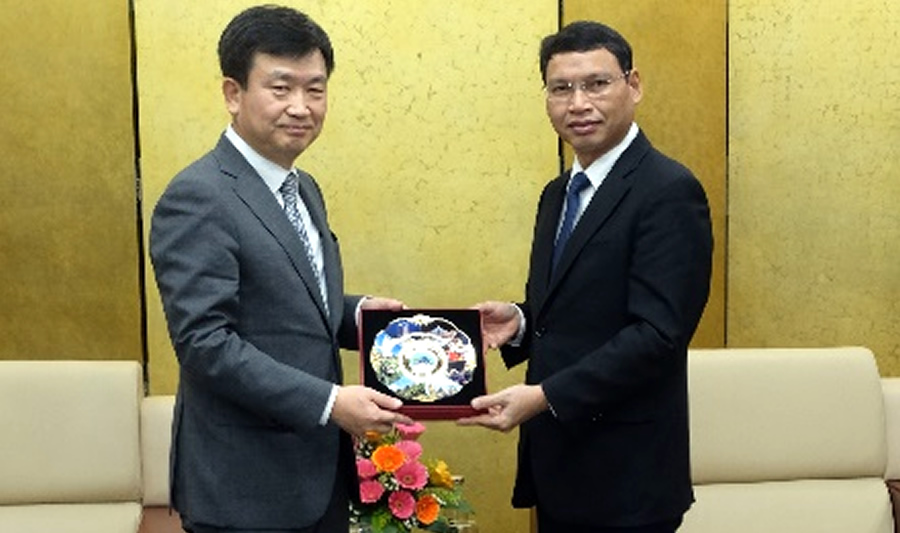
(516, 355)
(668, 258)
(197, 260)
(348, 333)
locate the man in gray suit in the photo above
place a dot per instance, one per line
(251, 283)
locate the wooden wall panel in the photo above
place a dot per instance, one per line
(814, 180)
(69, 278)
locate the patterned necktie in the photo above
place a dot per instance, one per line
(290, 193)
(573, 201)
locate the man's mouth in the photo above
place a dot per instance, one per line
(296, 129)
(584, 127)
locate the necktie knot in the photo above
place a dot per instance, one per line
(289, 189)
(578, 183)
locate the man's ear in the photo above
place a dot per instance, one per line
(634, 82)
(233, 92)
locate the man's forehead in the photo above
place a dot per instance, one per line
(311, 65)
(600, 60)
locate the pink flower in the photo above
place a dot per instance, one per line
(402, 504)
(410, 431)
(370, 491)
(365, 468)
(412, 475)
(411, 449)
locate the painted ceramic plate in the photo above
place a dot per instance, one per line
(423, 358)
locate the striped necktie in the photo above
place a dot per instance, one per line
(290, 193)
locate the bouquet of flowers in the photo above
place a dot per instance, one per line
(398, 491)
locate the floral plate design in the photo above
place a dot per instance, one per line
(423, 358)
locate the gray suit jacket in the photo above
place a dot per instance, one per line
(258, 354)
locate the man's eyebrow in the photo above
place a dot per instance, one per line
(319, 78)
(284, 75)
(597, 74)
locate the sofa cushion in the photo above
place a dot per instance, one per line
(806, 506)
(156, 438)
(891, 389)
(782, 414)
(71, 518)
(70, 434)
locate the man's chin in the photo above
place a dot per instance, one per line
(295, 147)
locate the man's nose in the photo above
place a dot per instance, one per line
(297, 105)
(579, 97)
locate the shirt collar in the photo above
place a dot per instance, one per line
(271, 173)
(599, 169)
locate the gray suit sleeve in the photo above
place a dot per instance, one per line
(227, 342)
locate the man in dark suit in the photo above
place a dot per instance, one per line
(251, 283)
(610, 309)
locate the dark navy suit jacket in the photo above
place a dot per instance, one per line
(607, 338)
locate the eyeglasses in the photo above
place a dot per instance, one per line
(564, 91)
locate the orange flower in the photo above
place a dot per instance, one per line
(388, 458)
(427, 509)
(440, 475)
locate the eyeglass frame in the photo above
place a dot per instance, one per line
(601, 84)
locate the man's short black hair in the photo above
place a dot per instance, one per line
(584, 36)
(274, 30)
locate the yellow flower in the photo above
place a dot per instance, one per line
(440, 475)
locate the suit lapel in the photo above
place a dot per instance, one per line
(252, 190)
(603, 204)
(545, 235)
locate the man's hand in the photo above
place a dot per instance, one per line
(376, 302)
(359, 409)
(499, 322)
(508, 408)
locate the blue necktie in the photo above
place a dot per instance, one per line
(573, 201)
(290, 192)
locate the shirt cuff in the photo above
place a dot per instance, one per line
(357, 314)
(549, 405)
(516, 341)
(326, 414)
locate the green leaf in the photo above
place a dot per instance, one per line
(465, 507)
(439, 526)
(380, 520)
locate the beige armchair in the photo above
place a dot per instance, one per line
(788, 441)
(69, 446)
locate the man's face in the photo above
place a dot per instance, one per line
(282, 109)
(591, 123)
